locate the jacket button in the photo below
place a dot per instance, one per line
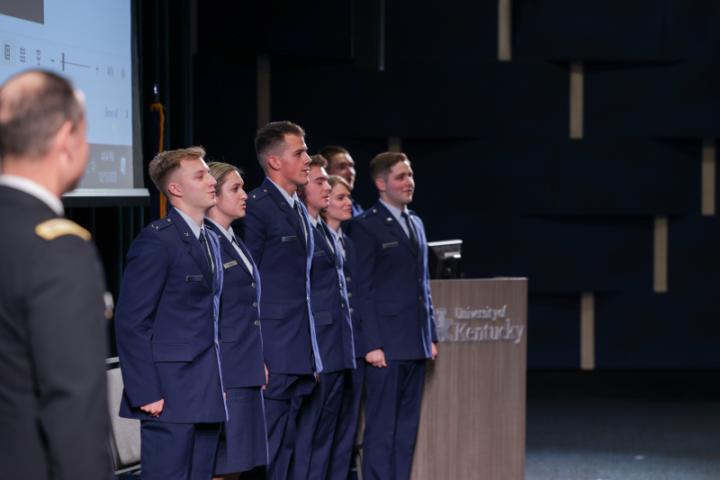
(351, 310)
(254, 304)
(252, 284)
(342, 305)
(349, 294)
(347, 279)
(257, 323)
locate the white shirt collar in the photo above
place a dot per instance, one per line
(227, 233)
(36, 190)
(196, 229)
(336, 235)
(396, 212)
(291, 200)
(314, 220)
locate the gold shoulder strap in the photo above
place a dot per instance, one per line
(58, 227)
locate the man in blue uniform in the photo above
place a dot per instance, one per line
(166, 326)
(397, 318)
(280, 239)
(331, 310)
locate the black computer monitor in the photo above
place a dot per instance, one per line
(444, 258)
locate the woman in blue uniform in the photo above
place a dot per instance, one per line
(338, 211)
(243, 442)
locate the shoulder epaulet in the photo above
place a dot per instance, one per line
(59, 227)
(258, 193)
(369, 213)
(161, 223)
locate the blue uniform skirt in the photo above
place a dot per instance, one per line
(243, 440)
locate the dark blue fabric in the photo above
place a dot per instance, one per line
(276, 240)
(392, 416)
(181, 451)
(166, 326)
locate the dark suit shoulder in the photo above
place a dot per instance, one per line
(368, 214)
(258, 194)
(160, 224)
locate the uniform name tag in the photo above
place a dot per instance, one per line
(288, 238)
(194, 278)
(390, 245)
(230, 264)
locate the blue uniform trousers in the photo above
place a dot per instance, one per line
(285, 396)
(181, 451)
(347, 425)
(392, 416)
(317, 428)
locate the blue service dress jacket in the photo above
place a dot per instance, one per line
(350, 268)
(276, 240)
(166, 321)
(241, 344)
(330, 305)
(393, 286)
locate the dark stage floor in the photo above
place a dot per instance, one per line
(623, 425)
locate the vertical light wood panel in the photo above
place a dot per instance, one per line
(660, 254)
(473, 412)
(577, 100)
(263, 90)
(394, 144)
(709, 153)
(587, 331)
(504, 30)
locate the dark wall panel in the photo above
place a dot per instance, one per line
(694, 256)
(671, 100)
(565, 177)
(471, 99)
(559, 255)
(582, 30)
(440, 32)
(226, 114)
(646, 330)
(553, 331)
(691, 31)
(318, 29)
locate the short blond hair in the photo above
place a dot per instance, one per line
(168, 161)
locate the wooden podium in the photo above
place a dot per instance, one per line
(473, 413)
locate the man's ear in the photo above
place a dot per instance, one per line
(174, 189)
(273, 162)
(61, 143)
(380, 183)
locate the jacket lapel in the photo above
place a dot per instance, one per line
(320, 239)
(227, 247)
(391, 224)
(289, 212)
(187, 236)
(255, 274)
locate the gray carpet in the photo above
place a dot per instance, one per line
(623, 426)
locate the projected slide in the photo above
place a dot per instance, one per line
(88, 41)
